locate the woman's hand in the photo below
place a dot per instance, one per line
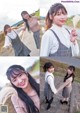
(73, 36)
(24, 29)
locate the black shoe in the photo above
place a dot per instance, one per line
(63, 102)
(48, 107)
(66, 102)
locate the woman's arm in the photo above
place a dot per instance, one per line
(49, 44)
(51, 83)
(68, 81)
(74, 44)
(63, 85)
(7, 42)
(22, 28)
(17, 104)
(44, 50)
(75, 48)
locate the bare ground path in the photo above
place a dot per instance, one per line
(56, 107)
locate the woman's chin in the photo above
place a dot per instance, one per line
(23, 86)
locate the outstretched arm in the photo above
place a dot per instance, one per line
(63, 85)
(51, 83)
(7, 42)
(74, 43)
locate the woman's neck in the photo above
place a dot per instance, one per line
(49, 72)
(57, 25)
(29, 19)
(29, 90)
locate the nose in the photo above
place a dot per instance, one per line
(19, 80)
(63, 16)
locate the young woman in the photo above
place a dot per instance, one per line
(58, 40)
(49, 88)
(12, 38)
(69, 78)
(27, 88)
(32, 24)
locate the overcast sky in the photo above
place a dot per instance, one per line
(72, 8)
(5, 62)
(10, 10)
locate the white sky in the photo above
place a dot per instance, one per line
(72, 8)
(5, 62)
(10, 10)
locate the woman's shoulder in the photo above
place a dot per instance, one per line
(48, 75)
(17, 101)
(34, 17)
(69, 79)
(48, 33)
(18, 104)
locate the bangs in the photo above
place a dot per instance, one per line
(72, 68)
(24, 13)
(13, 73)
(63, 11)
(56, 7)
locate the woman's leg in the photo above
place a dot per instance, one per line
(49, 103)
(46, 99)
(37, 39)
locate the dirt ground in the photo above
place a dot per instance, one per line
(56, 107)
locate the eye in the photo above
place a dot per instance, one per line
(14, 80)
(58, 13)
(19, 75)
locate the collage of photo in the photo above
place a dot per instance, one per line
(40, 56)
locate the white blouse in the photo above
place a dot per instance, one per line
(50, 44)
(11, 35)
(49, 78)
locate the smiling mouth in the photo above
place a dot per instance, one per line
(22, 84)
(62, 21)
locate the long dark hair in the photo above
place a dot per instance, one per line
(25, 20)
(53, 10)
(72, 68)
(16, 70)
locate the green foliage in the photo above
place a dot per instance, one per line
(77, 112)
(69, 22)
(37, 13)
(36, 66)
(2, 37)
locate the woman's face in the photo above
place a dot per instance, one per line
(21, 81)
(60, 18)
(25, 16)
(8, 29)
(69, 71)
(51, 69)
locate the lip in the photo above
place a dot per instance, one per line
(63, 21)
(22, 84)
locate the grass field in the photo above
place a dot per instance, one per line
(60, 68)
(1, 40)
